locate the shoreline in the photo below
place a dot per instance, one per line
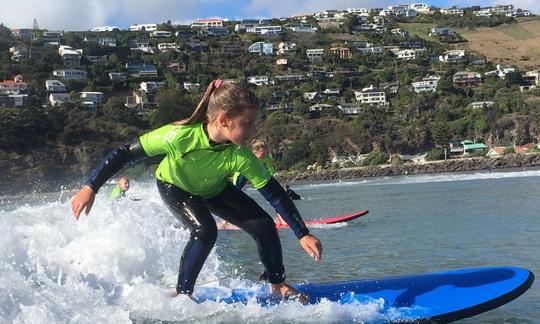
(506, 162)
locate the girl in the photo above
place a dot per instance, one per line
(200, 152)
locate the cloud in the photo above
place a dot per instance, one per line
(531, 5)
(86, 14)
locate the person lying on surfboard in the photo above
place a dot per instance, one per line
(120, 190)
(200, 152)
(260, 149)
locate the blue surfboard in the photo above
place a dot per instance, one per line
(435, 297)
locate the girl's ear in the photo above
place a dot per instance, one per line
(223, 119)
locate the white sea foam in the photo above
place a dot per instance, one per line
(115, 265)
(423, 178)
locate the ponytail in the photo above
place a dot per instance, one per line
(220, 96)
(199, 115)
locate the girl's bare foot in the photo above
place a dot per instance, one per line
(288, 292)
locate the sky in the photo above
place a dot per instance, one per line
(79, 15)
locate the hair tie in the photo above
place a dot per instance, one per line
(217, 83)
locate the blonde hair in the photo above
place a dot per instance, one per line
(259, 145)
(221, 96)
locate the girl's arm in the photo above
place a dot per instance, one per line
(114, 162)
(274, 193)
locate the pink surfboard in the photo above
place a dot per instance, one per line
(329, 220)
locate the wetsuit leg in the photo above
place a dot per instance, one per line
(193, 212)
(236, 207)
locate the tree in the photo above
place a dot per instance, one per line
(173, 105)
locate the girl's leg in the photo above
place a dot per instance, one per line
(236, 207)
(193, 212)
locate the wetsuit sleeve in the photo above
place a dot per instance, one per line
(113, 162)
(282, 203)
(240, 182)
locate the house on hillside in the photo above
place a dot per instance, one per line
(55, 86)
(371, 95)
(466, 78)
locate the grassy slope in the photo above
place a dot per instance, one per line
(514, 44)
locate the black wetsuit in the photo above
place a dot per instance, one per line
(231, 204)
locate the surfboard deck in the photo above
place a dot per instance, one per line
(430, 297)
(328, 220)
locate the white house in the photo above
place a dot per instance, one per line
(350, 108)
(207, 23)
(406, 54)
(143, 27)
(55, 86)
(92, 96)
(9, 87)
(452, 11)
(258, 80)
(315, 54)
(481, 104)
(151, 86)
(104, 29)
(164, 47)
(285, 47)
(190, 86)
(428, 84)
(261, 48)
(160, 34)
(56, 99)
(452, 56)
(501, 71)
(264, 30)
(70, 74)
(370, 95)
(442, 31)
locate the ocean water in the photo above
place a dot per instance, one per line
(118, 264)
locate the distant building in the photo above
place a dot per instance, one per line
(428, 84)
(262, 48)
(258, 80)
(285, 47)
(207, 23)
(442, 31)
(160, 34)
(11, 87)
(466, 78)
(452, 11)
(70, 74)
(315, 55)
(140, 70)
(371, 95)
(452, 56)
(143, 27)
(350, 108)
(56, 99)
(481, 104)
(55, 86)
(105, 29)
(92, 96)
(341, 52)
(189, 86)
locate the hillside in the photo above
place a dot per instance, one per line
(509, 44)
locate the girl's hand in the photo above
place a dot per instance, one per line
(83, 199)
(312, 246)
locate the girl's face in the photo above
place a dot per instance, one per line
(259, 154)
(239, 129)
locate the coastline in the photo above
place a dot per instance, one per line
(510, 161)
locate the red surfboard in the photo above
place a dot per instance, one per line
(324, 221)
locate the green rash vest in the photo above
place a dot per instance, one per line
(266, 161)
(116, 193)
(196, 166)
